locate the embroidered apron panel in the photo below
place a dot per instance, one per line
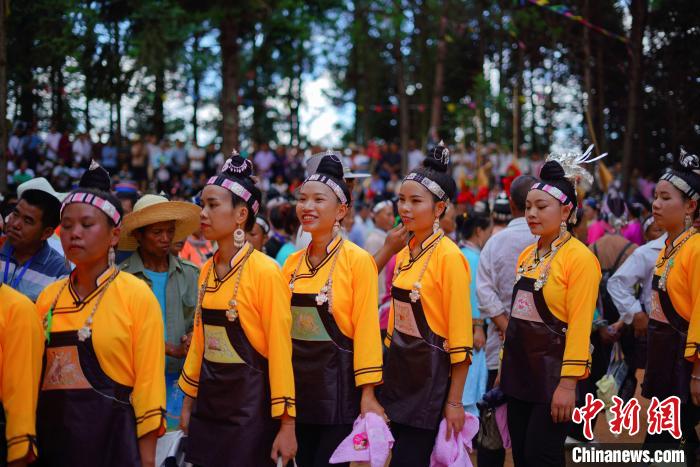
(217, 347)
(404, 320)
(524, 307)
(307, 325)
(63, 370)
(657, 312)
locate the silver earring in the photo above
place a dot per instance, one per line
(238, 238)
(562, 228)
(436, 224)
(688, 222)
(111, 257)
(336, 228)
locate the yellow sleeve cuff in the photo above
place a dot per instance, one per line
(387, 340)
(460, 354)
(691, 351)
(188, 385)
(19, 447)
(371, 375)
(280, 405)
(151, 420)
(576, 369)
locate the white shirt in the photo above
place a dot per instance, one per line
(196, 156)
(82, 149)
(638, 268)
(415, 157)
(52, 142)
(495, 278)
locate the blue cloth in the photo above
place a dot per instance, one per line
(173, 403)
(475, 385)
(472, 256)
(46, 267)
(159, 283)
(282, 255)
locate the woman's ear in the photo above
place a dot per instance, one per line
(341, 212)
(691, 207)
(115, 236)
(440, 208)
(566, 212)
(240, 215)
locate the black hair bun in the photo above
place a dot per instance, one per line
(552, 170)
(438, 159)
(331, 166)
(96, 177)
(237, 167)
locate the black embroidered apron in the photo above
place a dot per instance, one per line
(322, 357)
(84, 418)
(667, 372)
(231, 423)
(416, 367)
(534, 346)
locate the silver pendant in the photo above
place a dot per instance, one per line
(231, 314)
(538, 284)
(84, 333)
(321, 298)
(414, 295)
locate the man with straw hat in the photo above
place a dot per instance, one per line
(149, 232)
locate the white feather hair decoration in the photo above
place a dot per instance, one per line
(572, 163)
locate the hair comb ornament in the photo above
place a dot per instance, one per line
(688, 161)
(441, 153)
(231, 167)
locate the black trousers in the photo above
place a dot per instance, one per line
(316, 443)
(412, 446)
(536, 440)
(690, 416)
(490, 457)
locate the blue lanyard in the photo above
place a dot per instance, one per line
(18, 277)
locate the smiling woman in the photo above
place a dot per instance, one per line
(103, 360)
(335, 329)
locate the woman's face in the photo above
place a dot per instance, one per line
(544, 214)
(417, 207)
(219, 219)
(669, 207)
(257, 237)
(318, 208)
(86, 234)
(653, 232)
(482, 235)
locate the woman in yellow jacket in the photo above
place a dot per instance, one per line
(429, 336)
(102, 393)
(546, 349)
(673, 338)
(238, 374)
(337, 353)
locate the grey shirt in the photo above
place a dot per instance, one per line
(495, 279)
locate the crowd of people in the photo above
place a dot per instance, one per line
(330, 307)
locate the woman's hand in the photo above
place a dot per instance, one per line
(454, 416)
(185, 413)
(285, 444)
(640, 323)
(369, 402)
(564, 400)
(479, 337)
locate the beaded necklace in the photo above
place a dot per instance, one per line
(232, 311)
(534, 261)
(85, 331)
(669, 259)
(326, 292)
(414, 295)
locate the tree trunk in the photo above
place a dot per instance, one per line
(195, 85)
(59, 117)
(228, 38)
(600, 94)
(638, 9)
(3, 97)
(588, 77)
(441, 52)
(404, 123)
(86, 113)
(517, 107)
(120, 130)
(158, 113)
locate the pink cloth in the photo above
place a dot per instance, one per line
(502, 422)
(596, 230)
(370, 441)
(633, 232)
(385, 305)
(455, 452)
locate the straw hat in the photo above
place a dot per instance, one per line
(151, 209)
